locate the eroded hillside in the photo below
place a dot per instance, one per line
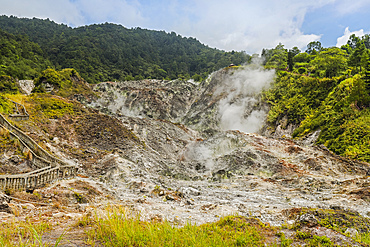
(173, 150)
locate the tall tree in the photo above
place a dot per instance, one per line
(330, 62)
(353, 41)
(366, 64)
(313, 46)
(291, 54)
(277, 57)
(356, 55)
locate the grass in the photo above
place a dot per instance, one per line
(337, 220)
(122, 228)
(117, 226)
(25, 233)
(363, 238)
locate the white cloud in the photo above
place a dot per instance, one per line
(248, 25)
(347, 33)
(344, 7)
(117, 11)
(77, 12)
(62, 11)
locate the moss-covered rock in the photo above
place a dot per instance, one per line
(65, 83)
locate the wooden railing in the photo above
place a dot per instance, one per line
(37, 178)
(49, 168)
(32, 145)
(20, 112)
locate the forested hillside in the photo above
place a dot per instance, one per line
(112, 52)
(19, 57)
(324, 89)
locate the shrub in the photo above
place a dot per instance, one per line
(302, 70)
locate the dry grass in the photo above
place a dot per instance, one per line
(20, 233)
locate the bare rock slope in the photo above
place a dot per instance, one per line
(167, 149)
(199, 171)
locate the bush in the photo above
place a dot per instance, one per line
(8, 85)
(302, 70)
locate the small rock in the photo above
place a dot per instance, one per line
(16, 208)
(4, 215)
(190, 191)
(352, 232)
(73, 215)
(308, 219)
(15, 159)
(28, 206)
(336, 207)
(4, 207)
(59, 215)
(170, 197)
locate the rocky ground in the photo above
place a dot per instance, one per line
(157, 147)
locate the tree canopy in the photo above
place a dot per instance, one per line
(108, 52)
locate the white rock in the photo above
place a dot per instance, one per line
(351, 232)
(59, 215)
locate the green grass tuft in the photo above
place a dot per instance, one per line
(120, 228)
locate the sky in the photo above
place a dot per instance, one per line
(240, 25)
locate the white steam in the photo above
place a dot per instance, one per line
(241, 90)
(200, 152)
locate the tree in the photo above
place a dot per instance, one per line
(355, 57)
(313, 46)
(366, 39)
(295, 51)
(330, 62)
(290, 61)
(366, 63)
(353, 41)
(302, 58)
(277, 57)
(291, 54)
(347, 48)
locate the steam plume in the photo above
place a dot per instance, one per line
(242, 89)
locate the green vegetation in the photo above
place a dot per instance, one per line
(108, 52)
(337, 106)
(337, 220)
(66, 82)
(8, 84)
(26, 233)
(324, 89)
(5, 105)
(121, 229)
(295, 96)
(20, 58)
(52, 107)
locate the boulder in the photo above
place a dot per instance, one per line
(4, 206)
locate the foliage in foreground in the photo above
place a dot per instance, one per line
(119, 229)
(20, 233)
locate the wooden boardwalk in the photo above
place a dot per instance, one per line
(48, 167)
